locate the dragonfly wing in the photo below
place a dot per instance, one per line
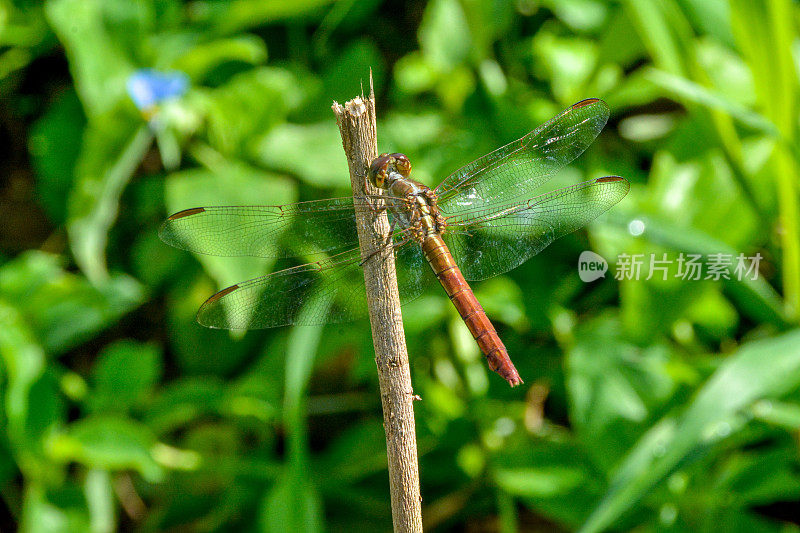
(495, 241)
(414, 273)
(264, 231)
(335, 285)
(322, 292)
(515, 170)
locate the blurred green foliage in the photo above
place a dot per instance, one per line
(660, 405)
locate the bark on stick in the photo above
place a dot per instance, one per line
(357, 125)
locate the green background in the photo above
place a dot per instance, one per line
(648, 404)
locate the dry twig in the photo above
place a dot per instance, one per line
(357, 125)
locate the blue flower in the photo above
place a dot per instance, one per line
(148, 87)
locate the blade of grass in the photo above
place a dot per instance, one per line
(764, 32)
(756, 296)
(670, 40)
(760, 370)
(302, 347)
(664, 46)
(689, 90)
(292, 504)
(507, 512)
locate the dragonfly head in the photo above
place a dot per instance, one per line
(385, 168)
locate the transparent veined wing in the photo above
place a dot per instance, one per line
(514, 171)
(264, 231)
(492, 241)
(330, 290)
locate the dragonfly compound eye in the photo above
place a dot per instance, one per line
(379, 170)
(402, 164)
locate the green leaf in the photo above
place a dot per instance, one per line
(412, 132)
(153, 263)
(712, 18)
(112, 149)
(544, 482)
(698, 94)
(168, 148)
(615, 388)
(230, 16)
(287, 148)
(620, 44)
(756, 296)
(337, 467)
(714, 313)
(24, 364)
(300, 352)
(348, 75)
(24, 26)
(551, 476)
(665, 32)
(292, 504)
(123, 374)
(31, 401)
(202, 58)
(444, 34)
(570, 63)
(199, 350)
(762, 478)
(300, 355)
(98, 65)
(8, 466)
(249, 105)
(40, 514)
(100, 500)
(64, 309)
(183, 401)
(55, 144)
(580, 15)
(766, 369)
(781, 414)
(760, 26)
(727, 71)
(502, 300)
(108, 443)
(414, 73)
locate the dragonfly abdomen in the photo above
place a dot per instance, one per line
(460, 293)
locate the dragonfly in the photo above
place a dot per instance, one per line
(483, 220)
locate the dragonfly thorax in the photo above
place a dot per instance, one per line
(412, 203)
(386, 168)
(414, 207)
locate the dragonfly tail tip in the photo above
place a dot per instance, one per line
(514, 380)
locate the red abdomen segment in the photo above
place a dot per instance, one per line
(461, 295)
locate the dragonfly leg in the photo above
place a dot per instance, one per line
(370, 256)
(406, 239)
(433, 199)
(367, 184)
(389, 235)
(387, 241)
(376, 209)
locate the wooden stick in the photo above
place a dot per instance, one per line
(357, 125)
